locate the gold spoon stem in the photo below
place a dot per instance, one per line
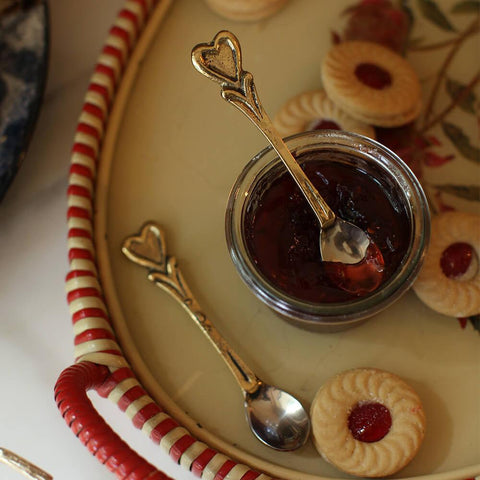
(148, 250)
(221, 61)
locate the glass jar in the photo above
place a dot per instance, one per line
(357, 152)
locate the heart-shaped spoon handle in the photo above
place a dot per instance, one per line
(221, 61)
(148, 250)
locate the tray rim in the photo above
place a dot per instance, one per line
(115, 355)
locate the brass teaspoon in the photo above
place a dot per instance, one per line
(275, 417)
(221, 61)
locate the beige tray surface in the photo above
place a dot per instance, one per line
(172, 152)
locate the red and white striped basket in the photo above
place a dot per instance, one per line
(99, 361)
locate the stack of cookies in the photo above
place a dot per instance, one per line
(365, 85)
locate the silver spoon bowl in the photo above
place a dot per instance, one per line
(275, 417)
(221, 61)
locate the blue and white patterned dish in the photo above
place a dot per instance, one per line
(23, 68)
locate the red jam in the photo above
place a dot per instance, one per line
(369, 422)
(361, 278)
(456, 259)
(373, 76)
(282, 232)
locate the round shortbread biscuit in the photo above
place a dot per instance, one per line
(301, 112)
(393, 104)
(333, 439)
(456, 297)
(393, 121)
(245, 10)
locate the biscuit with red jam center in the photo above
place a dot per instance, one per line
(372, 83)
(313, 110)
(367, 422)
(449, 281)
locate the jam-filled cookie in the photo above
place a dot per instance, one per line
(314, 110)
(372, 83)
(245, 10)
(449, 281)
(367, 422)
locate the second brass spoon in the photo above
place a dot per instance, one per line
(221, 61)
(275, 417)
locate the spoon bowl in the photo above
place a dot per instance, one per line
(277, 418)
(343, 242)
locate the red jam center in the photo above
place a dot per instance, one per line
(369, 422)
(325, 124)
(456, 259)
(282, 233)
(373, 76)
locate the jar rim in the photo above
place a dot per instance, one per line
(310, 313)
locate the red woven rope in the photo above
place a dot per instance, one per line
(91, 429)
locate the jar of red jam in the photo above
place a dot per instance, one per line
(273, 236)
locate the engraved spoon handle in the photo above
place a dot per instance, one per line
(148, 250)
(221, 61)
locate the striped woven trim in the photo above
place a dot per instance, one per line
(95, 339)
